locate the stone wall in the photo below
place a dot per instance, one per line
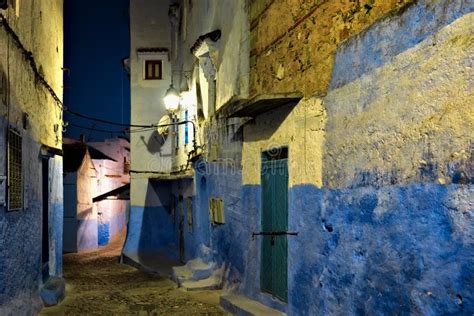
(293, 42)
(39, 26)
(410, 112)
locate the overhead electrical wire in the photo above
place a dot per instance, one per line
(96, 129)
(124, 131)
(106, 121)
(28, 55)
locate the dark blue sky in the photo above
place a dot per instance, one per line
(96, 39)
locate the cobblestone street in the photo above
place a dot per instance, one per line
(98, 284)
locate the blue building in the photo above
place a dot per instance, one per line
(330, 171)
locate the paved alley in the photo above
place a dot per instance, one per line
(98, 284)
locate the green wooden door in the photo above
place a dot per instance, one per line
(274, 261)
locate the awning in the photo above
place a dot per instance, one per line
(120, 193)
(258, 105)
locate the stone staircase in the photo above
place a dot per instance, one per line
(196, 275)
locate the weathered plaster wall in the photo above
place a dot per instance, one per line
(384, 213)
(39, 27)
(229, 16)
(112, 219)
(56, 216)
(151, 228)
(300, 128)
(86, 210)
(399, 249)
(293, 42)
(391, 229)
(20, 249)
(111, 214)
(149, 28)
(411, 119)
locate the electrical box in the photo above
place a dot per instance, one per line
(216, 210)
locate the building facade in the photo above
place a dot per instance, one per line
(333, 164)
(96, 192)
(31, 193)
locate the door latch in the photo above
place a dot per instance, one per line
(273, 234)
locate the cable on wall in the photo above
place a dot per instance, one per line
(28, 55)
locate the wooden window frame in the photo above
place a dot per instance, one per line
(152, 63)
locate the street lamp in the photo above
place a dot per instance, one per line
(172, 99)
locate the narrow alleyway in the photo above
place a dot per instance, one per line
(98, 284)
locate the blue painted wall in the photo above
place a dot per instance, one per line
(412, 255)
(112, 219)
(96, 39)
(151, 230)
(371, 247)
(21, 235)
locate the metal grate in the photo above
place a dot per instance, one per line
(15, 180)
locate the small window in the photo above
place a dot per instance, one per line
(186, 128)
(15, 179)
(153, 70)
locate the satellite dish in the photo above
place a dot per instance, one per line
(164, 130)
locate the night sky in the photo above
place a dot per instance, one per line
(96, 40)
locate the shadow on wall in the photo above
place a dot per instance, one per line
(399, 248)
(278, 116)
(157, 228)
(155, 142)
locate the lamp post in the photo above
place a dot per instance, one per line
(172, 99)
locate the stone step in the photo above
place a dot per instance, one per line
(211, 283)
(193, 270)
(243, 306)
(53, 291)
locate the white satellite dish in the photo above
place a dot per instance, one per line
(164, 130)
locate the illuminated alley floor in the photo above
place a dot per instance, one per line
(98, 284)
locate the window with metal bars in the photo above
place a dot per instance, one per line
(15, 179)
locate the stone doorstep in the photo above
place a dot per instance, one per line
(53, 291)
(212, 283)
(193, 270)
(243, 306)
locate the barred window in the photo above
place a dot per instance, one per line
(15, 180)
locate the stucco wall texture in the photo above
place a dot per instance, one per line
(384, 213)
(380, 160)
(293, 42)
(38, 25)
